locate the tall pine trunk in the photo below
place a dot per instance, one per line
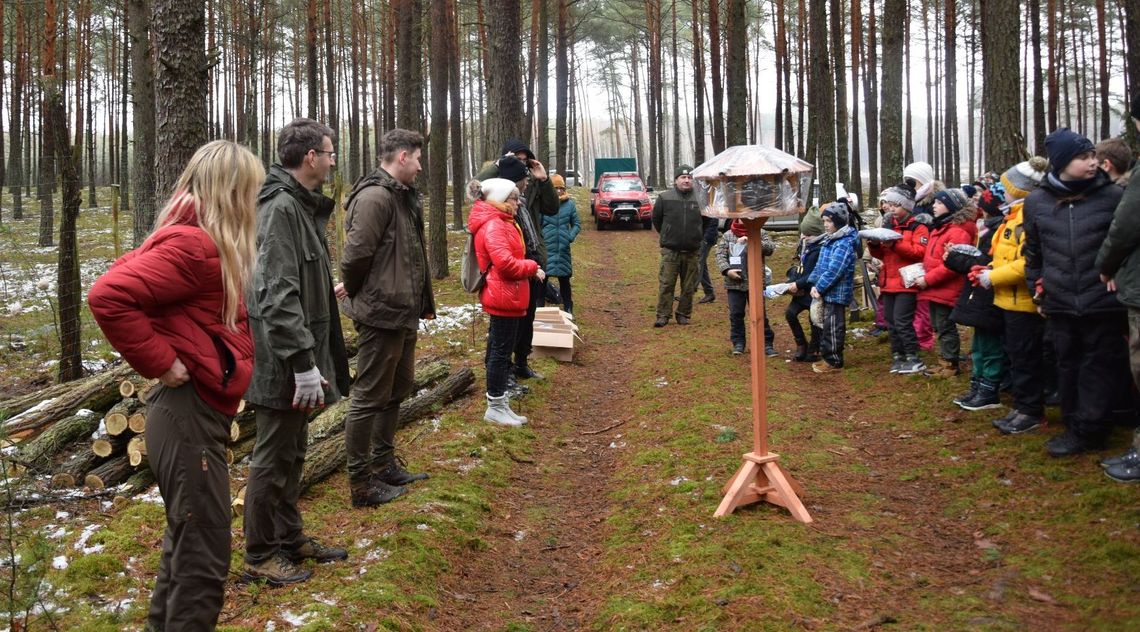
(855, 184)
(698, 86)
(505, 108)
(736, 74)
(562, 85)
(951, 173)
(437, 176)
(839, 65)
(715, 67)
(458, 172)
(143, 119)
(1004, 145)
(822, 124)
(871, 99)
(891, 115)
(180, 87)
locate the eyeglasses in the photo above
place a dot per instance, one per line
(332, 154)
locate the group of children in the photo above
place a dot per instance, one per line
(949, 257)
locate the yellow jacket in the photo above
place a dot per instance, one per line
(1008, 275)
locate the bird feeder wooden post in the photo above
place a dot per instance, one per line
(724, 180)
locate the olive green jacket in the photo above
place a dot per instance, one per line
(385, 266)
(678, 219)
(1119, 255)
(292, 311)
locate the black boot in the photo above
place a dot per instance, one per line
(1130, 457)
(968, 395)
(1069, 443)
(984, 397)
(524, 372)
(801, 353)
(1018, 423)
(397, 474)
(371, 492)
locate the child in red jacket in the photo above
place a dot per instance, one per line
(900, 301)
(954, 223)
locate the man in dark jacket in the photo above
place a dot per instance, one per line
(388, 285)
(519, 165)
(1119, 266)
(299, 362)
(678, 220)
(1066, 220)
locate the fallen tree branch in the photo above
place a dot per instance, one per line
(606, 429)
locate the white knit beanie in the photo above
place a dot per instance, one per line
(497, 189)
(921, 172)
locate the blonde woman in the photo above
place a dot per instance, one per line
(174, 309)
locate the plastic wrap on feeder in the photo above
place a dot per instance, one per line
(748, 181)
(759, 196)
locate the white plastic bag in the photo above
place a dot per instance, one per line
(912, 273)
(879, 234)
(816, 312)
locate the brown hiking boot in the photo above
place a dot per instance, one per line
(313, 550)
(946, 369)
(276, 571)
(373, 492)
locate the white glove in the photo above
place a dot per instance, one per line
(309, 392)
(984, 279)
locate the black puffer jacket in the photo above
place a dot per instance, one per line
(975, 306)
(1063, 233)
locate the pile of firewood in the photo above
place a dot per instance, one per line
(47, 430)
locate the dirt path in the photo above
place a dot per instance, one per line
(549, 519)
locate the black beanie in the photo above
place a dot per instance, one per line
(1135, 110)
(1063, 145)
(514, 146)
(837, 211)
(511, 168)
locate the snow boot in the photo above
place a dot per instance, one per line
(968, 395)
(986, 396)
(499, 412)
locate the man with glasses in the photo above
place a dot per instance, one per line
(300, 362)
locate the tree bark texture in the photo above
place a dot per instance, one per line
(823, 103)
(504, 96)
(143, 119)
(736, 74)
(1004, 145)
(181, 86)
(890, 118)
(437, 175)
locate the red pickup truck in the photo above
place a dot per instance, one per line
(621, 198)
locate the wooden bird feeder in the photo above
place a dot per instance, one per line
(753, 183)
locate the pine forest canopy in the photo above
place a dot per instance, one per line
(965, 85)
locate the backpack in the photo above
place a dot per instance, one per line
(472, 278)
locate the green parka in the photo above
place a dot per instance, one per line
(384, 266)
(678, 219)
(292, 311)
(1118, 256)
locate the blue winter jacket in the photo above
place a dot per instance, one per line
(559, 231)
(834, 273)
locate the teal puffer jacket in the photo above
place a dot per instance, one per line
(559, 231)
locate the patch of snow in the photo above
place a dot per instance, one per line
(85, 535)
(320, 598)
(451, 318)
(616, 445)
(270, 626)
(520, 536)
(661, 382)
(363, 543)
(57, 534)
(116, 606)
(59, 562)
(151, 496)
(377, 555)
(63, 515)
(296, 620)
(423, 527)
(677, 481)
(31, 411)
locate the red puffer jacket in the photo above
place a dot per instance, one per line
(499, 244)
(164, 301)
(903, 252)
(942, 284)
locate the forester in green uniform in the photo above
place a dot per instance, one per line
(677, 218)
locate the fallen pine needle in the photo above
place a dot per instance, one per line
(609, 427)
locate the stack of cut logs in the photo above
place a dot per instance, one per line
(109, 409)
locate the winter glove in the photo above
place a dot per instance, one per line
(309, 392)
(980, 276)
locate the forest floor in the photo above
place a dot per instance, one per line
(598, 514)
